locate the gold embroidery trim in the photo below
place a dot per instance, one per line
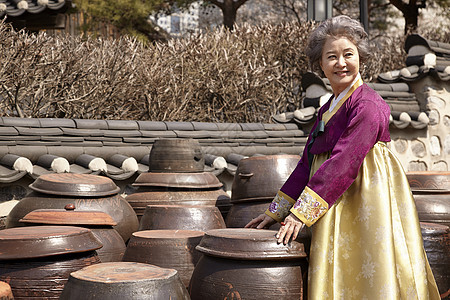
(328, 114)
(309, 207)
(280, 206)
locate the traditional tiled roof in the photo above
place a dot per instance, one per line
(120, 148)
(405, 109)
(15, 8)
(425, 57)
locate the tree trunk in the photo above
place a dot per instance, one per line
(411, 15)
(410, 12)
(229, 12)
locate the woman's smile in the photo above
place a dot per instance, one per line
(340, 62)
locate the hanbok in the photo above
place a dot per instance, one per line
(353, 192)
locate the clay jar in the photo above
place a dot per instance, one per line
(100, 224)
(187, 217)
(124, 280)
(255, 184)
(248, 264)
(176, 155)
(85, 191)
(260, 177)
(36, 261)
(174, 196)
(174, 249)
(436, 242)
(242, 212)
(431, 192)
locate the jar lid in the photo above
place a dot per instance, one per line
(178, 180)
(172, 234)
(70, 184)
(68, 216)
(248, 244)
(43, 241)
(123, 272)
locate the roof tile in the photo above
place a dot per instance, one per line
(122, 125)
(91, 124)
(152, 125)
(54, 122)
(25, 122)
(179, 126)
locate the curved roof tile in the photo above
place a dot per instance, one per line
(15, 8)
(120, 149)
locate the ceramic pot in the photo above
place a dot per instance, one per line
(260, 177)
(186, 217)
(100, 224)
(431, 192)
(85, 191)
(36, 261)
(173, 249)
(124, 280)
(436, 242)
(176, 155)
(171, 196)
(248, 264)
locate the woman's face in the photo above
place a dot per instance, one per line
(339, 62)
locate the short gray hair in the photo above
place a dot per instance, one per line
(340, 26)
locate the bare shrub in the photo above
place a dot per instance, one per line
(220, 76)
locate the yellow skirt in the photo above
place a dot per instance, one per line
(369, 244)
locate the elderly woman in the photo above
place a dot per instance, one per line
(352, 191)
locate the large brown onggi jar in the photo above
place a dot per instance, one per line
(124, 280)
(256, 182)
(242, 263)
(85, 191)
(431, 192)
(260, 177)
(186, 217)
(173, 195)
(36, 261)
(241, 213)
(436, 242)
(174, 249)
(100, 223)
(176, 155)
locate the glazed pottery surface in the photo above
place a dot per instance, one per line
(176, 155)
(248, 264)
(36, 261)
(115, 206)
(171, 196)
(203, 180)
(436, 242)
(100, 224)
(260, 177)
(124, 280)
(173, 249)
(70, 184)
(241, 213)
(187, 217)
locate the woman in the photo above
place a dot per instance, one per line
(366, 239)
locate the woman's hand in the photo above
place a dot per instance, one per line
(261, 221)
(292, 226)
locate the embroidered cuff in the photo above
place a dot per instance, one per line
(280, 206)
(309, 207)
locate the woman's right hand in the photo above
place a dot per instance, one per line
(260, 222)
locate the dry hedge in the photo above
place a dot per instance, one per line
(241, 76)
